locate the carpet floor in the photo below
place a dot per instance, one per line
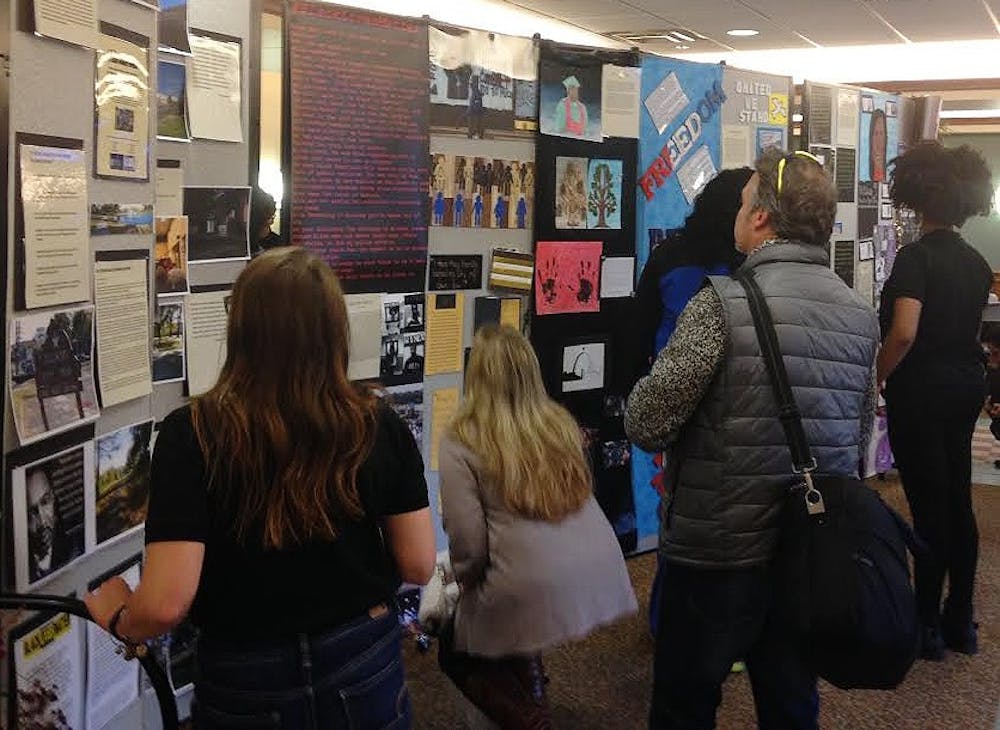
(604, 681)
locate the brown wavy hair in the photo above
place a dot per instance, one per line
(284, 431)
(530, 447)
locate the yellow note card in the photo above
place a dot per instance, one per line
(510, 312)
(444, 405)
(445, 318)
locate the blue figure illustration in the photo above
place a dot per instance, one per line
(477, 211)
(459, 209)
(439, 209)
(522, 212)
(500, 211)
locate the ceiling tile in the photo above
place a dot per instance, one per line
(936, 20)
(828, 22)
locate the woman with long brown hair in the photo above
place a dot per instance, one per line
(286, 505)
(536, 560)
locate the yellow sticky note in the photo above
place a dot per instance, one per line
(445, 317)
(444, 405)
(777, 109)
(510, 313)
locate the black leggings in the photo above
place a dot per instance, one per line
(931, 434)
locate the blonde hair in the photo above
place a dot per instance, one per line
(529, 446)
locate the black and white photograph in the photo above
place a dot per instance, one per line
(51, 372)
(408, 403)
(403, 346)
(583, 367)
(217, 223)
(49, 513)
(124, 119)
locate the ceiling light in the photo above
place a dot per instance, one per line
(796, 117)
(970, 113)
(683, 36)
(742, 33)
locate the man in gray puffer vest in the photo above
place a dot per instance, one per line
(708, 401)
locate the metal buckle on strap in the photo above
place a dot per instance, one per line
(813, 497)
(807, 469)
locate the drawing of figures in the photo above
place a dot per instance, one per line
(571, 197)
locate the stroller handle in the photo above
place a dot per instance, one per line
(61, 604)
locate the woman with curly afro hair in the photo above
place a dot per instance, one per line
(932, 365)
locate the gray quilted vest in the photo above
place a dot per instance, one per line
(731, 465)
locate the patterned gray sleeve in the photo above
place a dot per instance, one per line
(868, 415)
(663, 401)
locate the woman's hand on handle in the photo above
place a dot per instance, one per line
(105, 600)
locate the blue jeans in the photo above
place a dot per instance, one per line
(708, 620)
(350, 678)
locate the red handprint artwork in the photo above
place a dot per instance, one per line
(566, 277)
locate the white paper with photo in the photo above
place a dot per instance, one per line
(121, 298)
(735, 146)
(48, 662)
(169, 191)
(506, 55)
(112, 682)
(206, 320)
(168, 341)
(617, 277)
(52, 518)
(583, 367)
(213, 90)
(694, 174)
(51, 376)
(847, 118)
(56, 226)
(121, 96)
(73, 21)
(364, 314)
(666, 102)
(622, 87)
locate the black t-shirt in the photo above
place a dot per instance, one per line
(952, 280)
(247, 592)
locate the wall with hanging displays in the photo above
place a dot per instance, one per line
(128, 191)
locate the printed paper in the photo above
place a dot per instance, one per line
(213, 90)
(121, 95)
(206, 319)
(620, 100)
(73, 22)
(49, 683)
(171, 256)
(168, 341)
(121, 296)
(121, 496)
(171, 100)
(364, 314)
(617, 277)
(735, 146)
(402, 339)
(444, 406)
(445, 319)
(847, 117)
(694, 174)
(169, 188)
(583, 367)
(666, 102)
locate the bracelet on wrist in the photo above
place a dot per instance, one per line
(113, 625)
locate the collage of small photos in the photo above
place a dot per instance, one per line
(480, 192)
(100, 306)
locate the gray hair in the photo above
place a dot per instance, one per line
(806, 209)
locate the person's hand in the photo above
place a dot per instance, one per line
(106, 599)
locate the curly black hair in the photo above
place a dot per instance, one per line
(710, 224)
(945, 186)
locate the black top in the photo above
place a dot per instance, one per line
(952, 280)
(248, 593)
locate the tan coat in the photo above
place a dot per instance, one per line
(528, 585)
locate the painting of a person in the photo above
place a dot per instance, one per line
(522, 212)
(570, 112)
(262, 211)
(500, 212)
(878, 140)
(477, 211)
(439, 209)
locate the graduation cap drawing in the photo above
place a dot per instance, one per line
(571, 82)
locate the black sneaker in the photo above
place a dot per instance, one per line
(996, 464)
(964, 640)
(931, 644)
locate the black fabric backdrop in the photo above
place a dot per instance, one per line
(614, 323)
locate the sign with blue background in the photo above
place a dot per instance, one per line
(679, 144)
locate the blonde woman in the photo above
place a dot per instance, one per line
(535, 557)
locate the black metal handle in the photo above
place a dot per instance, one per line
(61, 604)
